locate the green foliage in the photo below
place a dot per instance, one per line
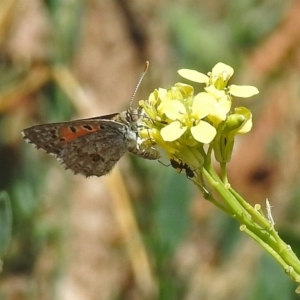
(270, 283)
(5, 222)
(170, 216)
(66, 17)
(170, 225)
(202, 36)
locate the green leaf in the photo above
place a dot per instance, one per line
(5, 222)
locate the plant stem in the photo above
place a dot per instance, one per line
(253, 223)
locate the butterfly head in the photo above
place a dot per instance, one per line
(131, 116)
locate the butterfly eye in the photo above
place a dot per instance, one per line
(132, 116)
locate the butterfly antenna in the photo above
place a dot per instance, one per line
(139, 82)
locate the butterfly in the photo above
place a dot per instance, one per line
(92, 146)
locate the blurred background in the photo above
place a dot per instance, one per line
(144, 232)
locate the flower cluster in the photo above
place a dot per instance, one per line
(190, 128)
(178, 120)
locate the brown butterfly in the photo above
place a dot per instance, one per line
(92, 146)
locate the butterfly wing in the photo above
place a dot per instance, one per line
(90, 146)
(94, 154)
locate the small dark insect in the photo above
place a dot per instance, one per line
(179, 165)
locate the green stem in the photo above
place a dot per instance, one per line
(224, 174)
(209, 153)
(254, 224)
(208, 196)
(259, 218)
(279, 257)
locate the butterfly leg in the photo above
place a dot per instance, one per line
(146, 153)
(134, 146)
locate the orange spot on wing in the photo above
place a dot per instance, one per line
(69, 135)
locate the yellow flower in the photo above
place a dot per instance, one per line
(243, 91)
(222, 105)
(181, 118)
(246, 126)
(218, 78)
(181, 122)
(239, 122)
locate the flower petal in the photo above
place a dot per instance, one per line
(193, 75)
(185, 89)
(246, 127)
(225, 103)
(203, 132)
(218, 115)
(222, 70)
(174, 93)
(243, 91)
(203, 105)
(220, 75)
(172, 131)
(161, 93)
(173, 109)
(218, 94)
(248, 116)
